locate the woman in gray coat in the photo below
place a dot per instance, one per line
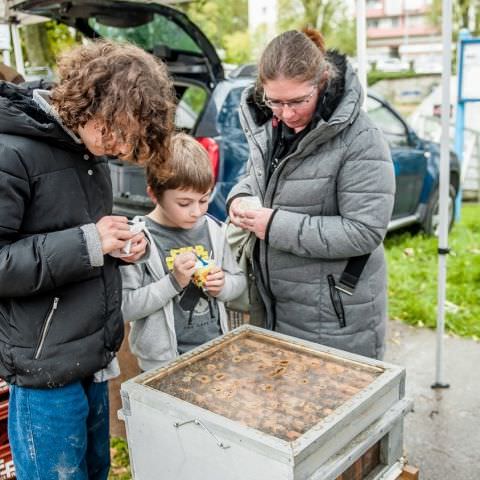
(324, 176)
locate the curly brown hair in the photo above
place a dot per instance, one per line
(124, 86)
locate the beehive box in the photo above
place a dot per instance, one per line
(255, 404)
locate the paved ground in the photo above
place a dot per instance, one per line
(442, 435)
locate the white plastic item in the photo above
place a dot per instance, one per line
(135, 227)
(250, 203)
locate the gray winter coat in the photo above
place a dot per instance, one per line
(148, 294)
(332, 199)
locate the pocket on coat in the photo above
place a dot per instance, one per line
(358, 310)
(47, 322)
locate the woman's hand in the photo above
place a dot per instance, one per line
(114, 232)
(183, 268)
(236, 213)
(256, 221)
(137, 249)
(215, 281)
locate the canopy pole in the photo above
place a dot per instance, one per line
(362, 48)
(444, 189)
(17, 49)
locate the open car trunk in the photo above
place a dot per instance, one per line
(156, 28)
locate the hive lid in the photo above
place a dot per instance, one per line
(265, 382)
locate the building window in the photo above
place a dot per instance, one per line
(415, 4)
(393, 7)
(416, 21)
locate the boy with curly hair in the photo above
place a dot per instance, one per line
(60, 290)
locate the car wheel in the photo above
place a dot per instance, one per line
(431, 223)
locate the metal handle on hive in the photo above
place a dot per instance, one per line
(196, 421)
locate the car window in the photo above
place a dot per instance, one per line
(228, 117)
(394, 130)
(158, 31)
(191, 104)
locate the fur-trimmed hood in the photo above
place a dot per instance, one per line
(339, 103)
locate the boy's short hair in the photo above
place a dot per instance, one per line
(129, 89)
(188, 167)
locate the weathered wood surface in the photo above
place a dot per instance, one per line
(267, 384)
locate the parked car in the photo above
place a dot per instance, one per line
(209, 101)
(428, 65)
(391, 64)
(410, 95)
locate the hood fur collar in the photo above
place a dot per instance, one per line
(329, 98)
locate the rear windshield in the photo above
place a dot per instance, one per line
(157, 31)
(228, 118)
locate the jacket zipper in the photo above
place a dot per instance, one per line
(277, 171)
(336, 299)
(45, 328)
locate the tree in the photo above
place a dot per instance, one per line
(327, 16)
(224, 23)
(238, 48)
(319, 13)
(343, 37)
(38, 52)
(466, 14)
(43, 42)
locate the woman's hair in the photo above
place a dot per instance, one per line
(294, 55)
(188, 167)
(128, 89)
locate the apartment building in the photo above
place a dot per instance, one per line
(403, 29)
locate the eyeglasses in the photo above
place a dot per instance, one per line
(292, 104)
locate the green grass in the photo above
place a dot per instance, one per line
(413, 269)
(120, 469)
(375, 76)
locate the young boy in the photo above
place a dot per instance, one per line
(170, 310)
(60, 290)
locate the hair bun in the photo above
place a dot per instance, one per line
(316, 37)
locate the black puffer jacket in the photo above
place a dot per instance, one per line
(60, 317)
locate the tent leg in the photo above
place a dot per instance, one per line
(442, 280)
(444, 188)
(17, 48)
(6, 57)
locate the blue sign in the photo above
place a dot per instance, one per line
(468, 91)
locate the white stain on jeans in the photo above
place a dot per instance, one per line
(64, 469)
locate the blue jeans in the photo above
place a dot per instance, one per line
(60, 433)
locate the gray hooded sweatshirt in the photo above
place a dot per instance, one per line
(148, 293)
(332, 199)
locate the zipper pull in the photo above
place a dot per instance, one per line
(336, 301)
